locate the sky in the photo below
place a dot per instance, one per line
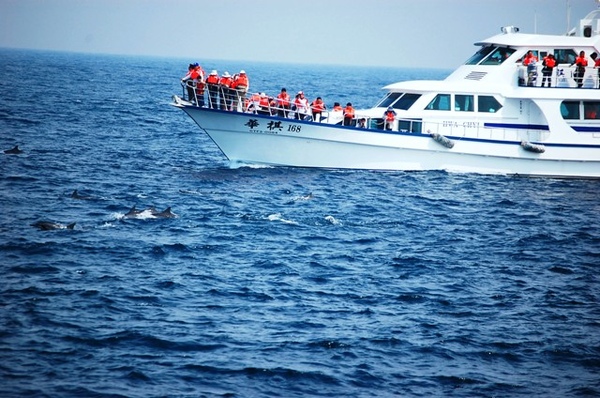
(389, 33)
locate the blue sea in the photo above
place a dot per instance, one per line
(271, 282)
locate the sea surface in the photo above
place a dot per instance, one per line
(271, 282)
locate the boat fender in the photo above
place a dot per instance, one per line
(440, 139)
(535, 148)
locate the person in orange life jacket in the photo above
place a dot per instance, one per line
(263, 105)
(212, 85)
(190, 80)
(317, 108)
(301, 106)
(596, 59)
(241, 85)
(549, 63)
(337, 107)
(283, 103)
(225, 91)
(200, 85)
(390, 117)
(581, 64)
(530, 61)
(349, 115)
(252, 103)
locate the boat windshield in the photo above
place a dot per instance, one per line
(490, 55)
(399, 100)
(389, 99)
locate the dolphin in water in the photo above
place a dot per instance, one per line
(133, 212)
(166, 213)
(13, 151)
(50, 226)
(77, 195)
(149, 212)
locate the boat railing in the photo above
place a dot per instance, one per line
(561, 77)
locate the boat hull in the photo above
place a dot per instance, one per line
(268, 140)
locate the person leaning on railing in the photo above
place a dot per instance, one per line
(212, 85)
(596, 59)
(581, 63)
(225, 91)
(241, 85)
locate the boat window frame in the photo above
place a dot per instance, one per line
(495, 106)
(575, 106)
(565, 55)
(591, 110)
(406, 101)
(434, 104)
(498, 56)
(471, 106)
(480, 55)
(386, 101)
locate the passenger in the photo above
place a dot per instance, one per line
(283, 103)
(263, 105)
(200, 85)
(549, 63)
(253, 103)
(596, 59)
(362, 123)
(349, 115)
(530, 61)
(337, 107)
(190, 80)
(225, 91)
(241, 85)
(580, 65)
(390, 118)
(317, 108)
(212, 84)
(301, 106)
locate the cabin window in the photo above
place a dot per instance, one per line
(389, 100)
(479, 55)
(591, 110)
(565, 56)
(487, 103)
(410, 125)
(406, 101)
(464, 103)
(499, 55)
(569, 110)
(441, 102)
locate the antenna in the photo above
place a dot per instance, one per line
(568, 15)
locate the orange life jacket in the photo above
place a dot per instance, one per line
(529, 59)
(317, 106)
(550, 62)
(264, 102)
(390, 116)
(349, 112)
(284, 99)
(241, 82)
(338, 108)
(212, 79)
(581, 61)
(225, 81)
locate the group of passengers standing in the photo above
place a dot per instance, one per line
(299, 108)
(224, 92)
(549, 62)
(229, 93)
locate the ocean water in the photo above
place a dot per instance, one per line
(271, 282)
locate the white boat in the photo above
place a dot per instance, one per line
(489, 116)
